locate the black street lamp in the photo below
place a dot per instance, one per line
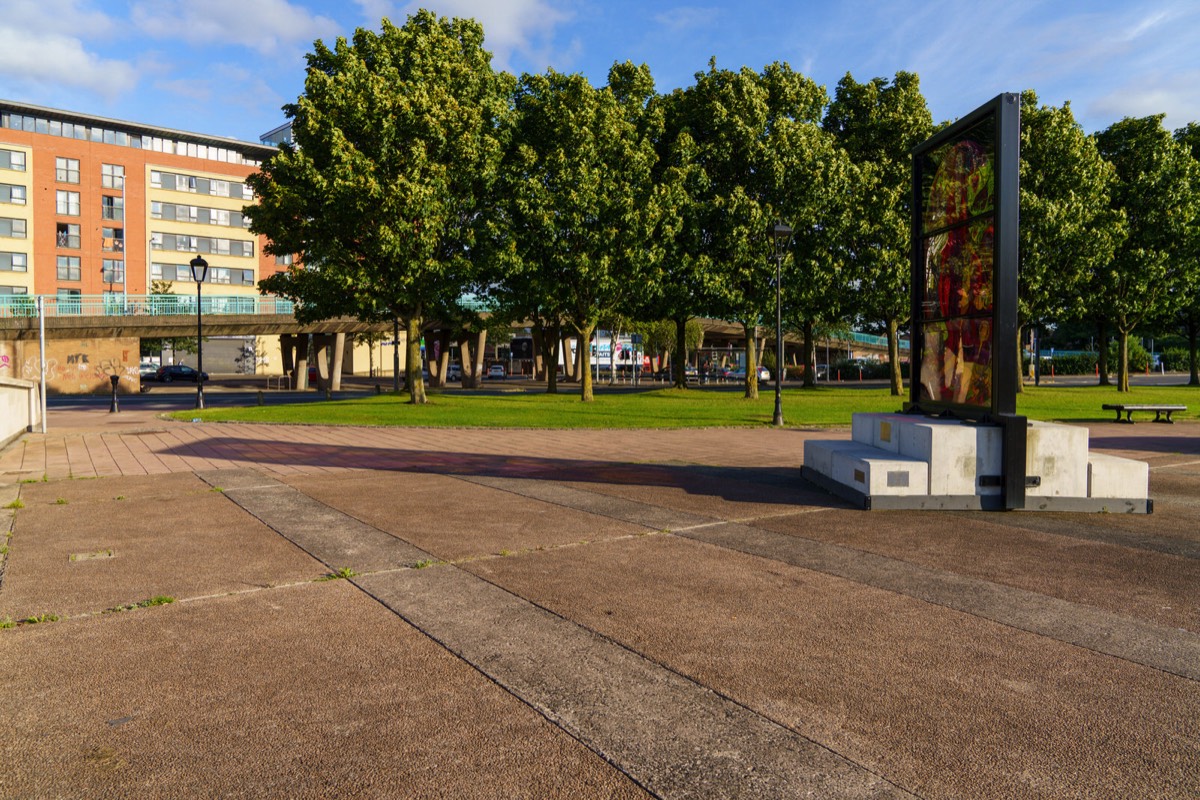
(780, 232)
(199, 273)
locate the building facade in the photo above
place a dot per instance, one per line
(95, 206)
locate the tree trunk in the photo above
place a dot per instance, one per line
(396, 354)
(1020, 360)
(539, 358)
(584, 351)
(568, 359)
(477, 352)
(751, 362)
(464, 354)
(893, 343)
(412, 370)
(1192, 327)
(439, 365)
(1102, 352)
(679, 357)
(810, 349)
(1122, 360)
(552, 341)
(612, 356)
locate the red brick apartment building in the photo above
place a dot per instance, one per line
(90, 205)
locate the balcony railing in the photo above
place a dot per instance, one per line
(25, 305)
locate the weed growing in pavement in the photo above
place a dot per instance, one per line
(15, 504)
(7, 622)
(160, 600)
(506, 553)
(120, 497)
(40, 618)
(62, 501)
(341, 574)
(217, 489)
(423, 563)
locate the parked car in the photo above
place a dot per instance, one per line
(178, 372)
(496, 371)
(454, 372)
(147, 370)
(739, 374)
(821, 372)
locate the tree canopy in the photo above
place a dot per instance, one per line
(397, 136)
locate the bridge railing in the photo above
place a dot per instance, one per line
(116, 305)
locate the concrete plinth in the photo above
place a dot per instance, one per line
(913, 461)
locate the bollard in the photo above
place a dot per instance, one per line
(260, 397)
(378, 390)
(114, 408)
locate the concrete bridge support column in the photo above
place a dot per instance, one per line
(339, 353)
(320, 351)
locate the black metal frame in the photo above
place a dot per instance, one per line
(1004, 111)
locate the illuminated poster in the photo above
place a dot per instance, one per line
(955, 266)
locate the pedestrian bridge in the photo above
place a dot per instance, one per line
(160, 316)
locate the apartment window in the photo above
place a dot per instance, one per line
(112, 240)
(67, 235)
(220, 188)
(284, 260)
(112, 271)
(67, 203)
(112, 176)
(13, 290)
(13, 228)
(66, 170)
(69, 301)
(219, 275)
(68, 268)
(156, 241)
(112, 207)
(247, 192)
(12, 159)
(12, 194)
(14, 262)
(156, 179)
(156, 209)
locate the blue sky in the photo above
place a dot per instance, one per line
(226, 66)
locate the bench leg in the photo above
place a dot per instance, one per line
(1168, 420)
(1128, 417)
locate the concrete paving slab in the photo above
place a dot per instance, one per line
(331, 537)
(308, 691)
(941, 703)
(998, 548)
(674, 737)
(452, 518)
(116, 541)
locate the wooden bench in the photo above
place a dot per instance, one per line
(1128, 408)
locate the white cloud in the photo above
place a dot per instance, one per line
(1175, 94)
(36, 60)
(44, 17)
(684, 18)
(263, 25)
(514, 30)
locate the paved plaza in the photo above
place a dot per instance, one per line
(575, 614)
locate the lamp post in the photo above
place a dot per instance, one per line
(779, 232)
(199, 273)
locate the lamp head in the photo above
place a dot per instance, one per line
(199, 269)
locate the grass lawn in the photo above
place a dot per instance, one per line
(823, 406)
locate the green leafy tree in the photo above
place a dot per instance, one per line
(1069, 229)
(817, 196)
(165, 301)
(576, 197)
(397, 138)
(732, 117)
(878, 124)
(1189, 313)
(1158, 190)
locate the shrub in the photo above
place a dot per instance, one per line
(1175, 359)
